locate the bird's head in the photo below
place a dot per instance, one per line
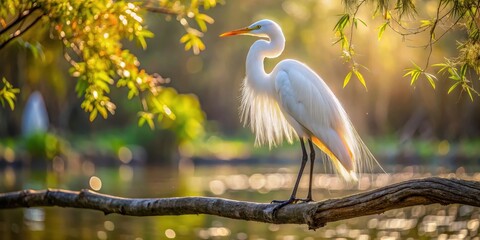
(263, 28)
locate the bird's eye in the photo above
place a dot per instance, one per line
(257, 27)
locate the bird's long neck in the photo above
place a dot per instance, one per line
(257, 78)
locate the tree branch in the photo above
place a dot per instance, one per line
(19, 32)
(162, 10)
(21, 17)
(317, 214)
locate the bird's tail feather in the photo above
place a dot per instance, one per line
(349, 175)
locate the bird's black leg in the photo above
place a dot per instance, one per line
(312, 161)
(299, 176)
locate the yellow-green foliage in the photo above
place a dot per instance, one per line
(8, 94)
(92, 33)
(447, 16)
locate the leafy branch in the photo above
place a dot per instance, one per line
(8, 94)
(20, 20)
(458, 76)
(416, 72)
(92, 33)
(449, 15)
(348, 52)
(184, 13)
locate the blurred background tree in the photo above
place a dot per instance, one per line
(390, 110)
(433, 22)
(405, 126)
(91, 35)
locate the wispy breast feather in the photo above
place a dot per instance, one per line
(261, 112)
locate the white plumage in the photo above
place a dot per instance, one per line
(293, 102)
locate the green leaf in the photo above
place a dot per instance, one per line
(93, 115)
(185, 38)
(150, 123)
(142, 42)
(146, 117)
(347, 79)
(207, 4)
(342, 22)
(431, 78)
(358, 19)
(453, 87)
(103, 111)
(425, 23)
(381, 29)
(10, 102)
(443, 67)
(469, 92)
(414, 73)
(360, 78)
(8, 94)
(202, 20)
(141, 121)
(463, 71)
(201, 24)
(132, 93)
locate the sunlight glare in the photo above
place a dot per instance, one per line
(274, 181)
(217, 187)
(219, 231)
(237, 182)
(109, 225)
(169, 233)
(9, 155)
(443, 148)
(95, 183)
(125, 154)
(473, 224)
(102, 235)
(257, 181)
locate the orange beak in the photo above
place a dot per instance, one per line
(236, 32)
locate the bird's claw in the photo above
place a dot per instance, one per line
(292, 200)
(286, 202)
(283, 203)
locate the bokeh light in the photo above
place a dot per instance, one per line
(217, 187)
(125, 154)
(109, 225)
(9, 154)
(169, 233)
(95, 183)
(102, 235)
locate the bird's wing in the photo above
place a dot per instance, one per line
(307, 99)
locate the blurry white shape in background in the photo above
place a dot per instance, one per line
(35, 117)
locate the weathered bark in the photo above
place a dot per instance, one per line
(316, 214)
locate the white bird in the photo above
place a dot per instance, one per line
(293, 102)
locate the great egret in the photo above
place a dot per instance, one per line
(294, 102)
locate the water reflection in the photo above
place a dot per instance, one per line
(34, 219)
(250, 183)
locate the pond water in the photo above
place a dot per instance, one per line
(250, 183)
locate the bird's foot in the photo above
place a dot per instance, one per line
(289, 201)
(283, 203)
